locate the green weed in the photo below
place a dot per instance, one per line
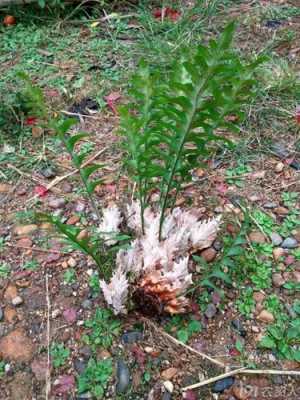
(245, 302)
(2, 369)
(283, 338)
(95, 378)
(59, 354)
(266, 222)
(31, 265)
(185, 329)
(70, 276)
(4, 270)
(260, 273)
(94, 284)
(236, 175)
(103, 329)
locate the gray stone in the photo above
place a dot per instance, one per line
(1, 314)
(278, 280)
(270, 205)
(17, 301)
(289, 243)
(276, 238)
(85, 352)
(237, 324)
(79, 207)
(86, 304)
(48, 172)
(217, 245)
(223, 384)
(56, 202)
(79, 365)
(84, 396)
(211, 311)
(167, 396)
(123, 377)
(132, 337)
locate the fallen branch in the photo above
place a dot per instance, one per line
(59, 179)
(213, 379)
(32, 178)
(199, 353)
(241, 371)
(48, 371)
(38, 249)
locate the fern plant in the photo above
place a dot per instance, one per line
(85, 172)
(172, 119)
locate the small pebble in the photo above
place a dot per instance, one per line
(56, 202)
(55, 313)
(17, 301)
(266, 316)
(237, 324)
(132, 337)
(289, 260)
(209, 254)
(276, 238)
(279, 167)
(270, 205)
(278, 280)
(277, 253)
(169, 386)
(167, 396)
(79, 365)
(86, 304)
(48, 172)
(72, 262)
(259, 297)
(79, 207)
(210, 311)
(223, 384)
(84, 396)
(281, 211)
(217, 245)
(123, 377)
(257, 237)
(289, 243)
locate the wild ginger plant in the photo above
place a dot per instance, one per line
(172, 120)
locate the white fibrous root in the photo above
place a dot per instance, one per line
(110, 224)
(159, 268)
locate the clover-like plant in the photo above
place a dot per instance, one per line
(173, 118)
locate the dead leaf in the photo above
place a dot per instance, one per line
(64, 384)
(37, 131)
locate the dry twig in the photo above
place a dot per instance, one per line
(242, 371)
(48, 372)
(213, 379)
(191, 349)
(59, 179)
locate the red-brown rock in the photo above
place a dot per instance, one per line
(209, 254)
(16, 346)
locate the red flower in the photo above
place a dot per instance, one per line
(167, 12)
(30, 121)
(174, 15)
(41, 191)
